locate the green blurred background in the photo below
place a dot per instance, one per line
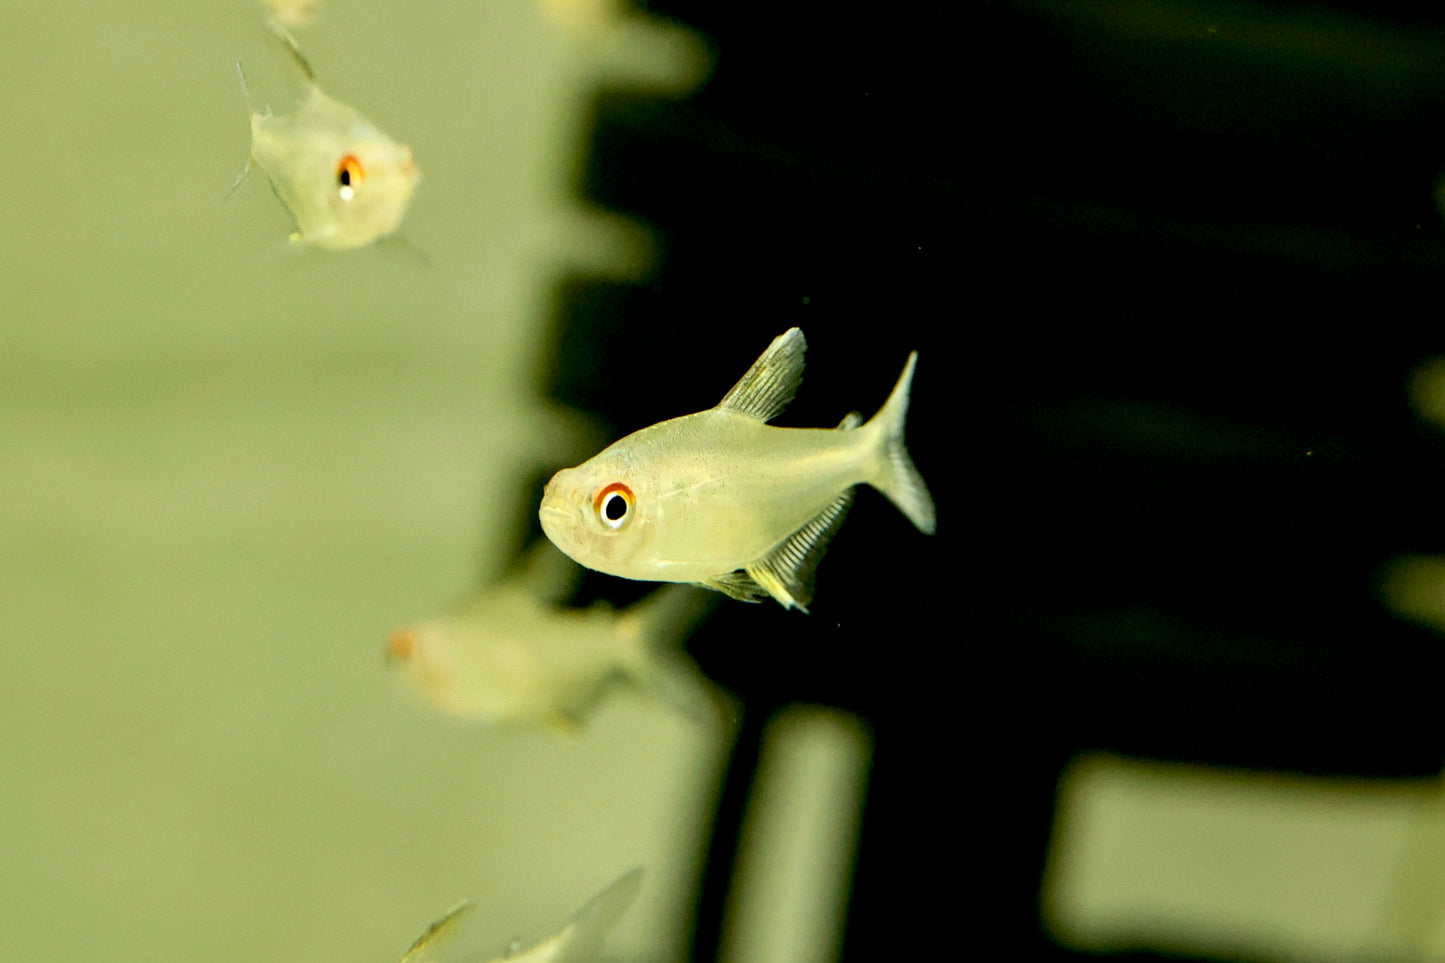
(228, 469)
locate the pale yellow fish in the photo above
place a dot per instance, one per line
(578, 942)
(513, 654)
(345, 182)
(720, 498)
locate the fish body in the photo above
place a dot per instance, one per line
(344, 180)
(722, 499)
(512, 654)
(577, 942)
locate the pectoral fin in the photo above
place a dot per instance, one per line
(773, 379)
(787, 572)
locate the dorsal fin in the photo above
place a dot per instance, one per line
(787, 571)
(773, 379)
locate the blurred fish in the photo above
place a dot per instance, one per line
(514, 654)
(345, 182)
(721, 499)
(578, 942)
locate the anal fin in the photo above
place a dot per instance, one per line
(787, 572)
(737, 585)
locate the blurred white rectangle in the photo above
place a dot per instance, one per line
(1187, 858)
(790, 892)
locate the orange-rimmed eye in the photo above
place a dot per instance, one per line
(349, 174)
(613, 505)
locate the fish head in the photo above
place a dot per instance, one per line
(421, 656)
(602, 514)
(345, 182)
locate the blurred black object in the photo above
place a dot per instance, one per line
(1168, 269)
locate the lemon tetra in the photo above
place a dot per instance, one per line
(514, 655)
(342, 178)
(722, 499)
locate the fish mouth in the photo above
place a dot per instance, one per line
(555, 522)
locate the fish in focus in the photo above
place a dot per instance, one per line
(722, 499)
(514, 654)
(578, 942)
(344, 181)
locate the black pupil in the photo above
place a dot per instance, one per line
(345, 177)
(615, 507)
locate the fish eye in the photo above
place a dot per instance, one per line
(349, 174)
(613, 505)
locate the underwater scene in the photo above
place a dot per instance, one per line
(682, 480)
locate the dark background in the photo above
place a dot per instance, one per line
(1168, 269)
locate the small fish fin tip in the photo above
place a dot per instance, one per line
(437, 932)
(850, 421)
(898, 479)
(241, 177)
(592, 922)
(245, 87)
(563, 725)
(789, 570)
(767, 387)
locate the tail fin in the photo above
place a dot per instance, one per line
(896, 476)
(584, 935)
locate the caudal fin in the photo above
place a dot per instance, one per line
(895, 475)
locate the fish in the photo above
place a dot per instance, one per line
(577, 942)
(513, 655)
(722, 499)
(344, 181)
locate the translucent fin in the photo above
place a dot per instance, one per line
(584, 935)
(241, 177)
(251, 110)
(787, 572)
(654, 632)
(284, 38)
(439, 932)
(896, 477)
(549, 576)
(850, 421)
(737, 585)
(773, 379)
(245, 88)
